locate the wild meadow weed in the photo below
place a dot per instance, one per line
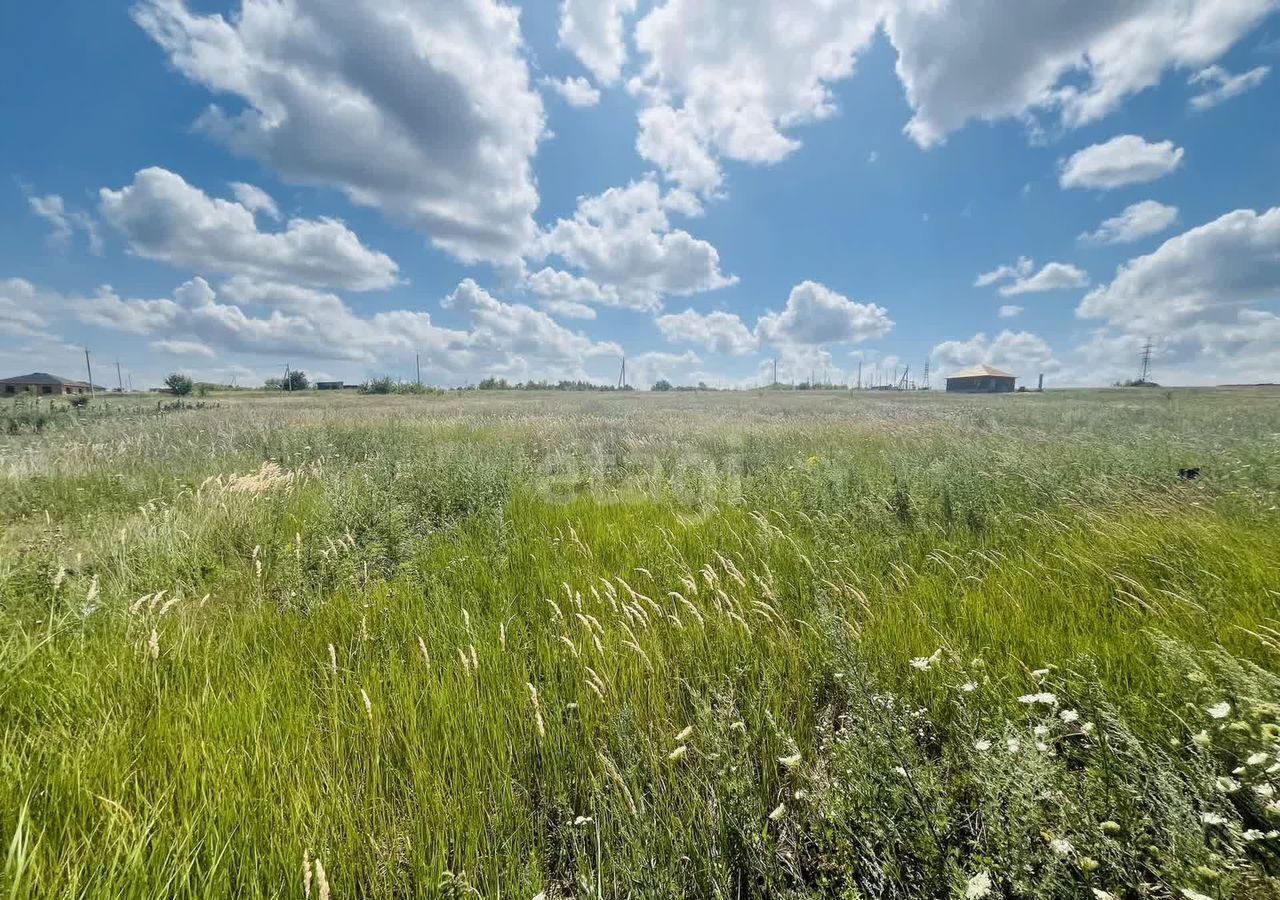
(827, 646)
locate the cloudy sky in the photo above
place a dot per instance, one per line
(703, 186)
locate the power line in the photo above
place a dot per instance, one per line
(1146, 363)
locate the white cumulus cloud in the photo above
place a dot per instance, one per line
(1020, 352)
(1022, 278)
(816, 315)
(1229, 262)
(623, 243)
(423, 111)
(65, 222)
(733, 79)
(1123, 160)
(183, 348)
(165, 218)
(592, 30)
(577, 91)
(1219, 85)
(1075, 62)
(255, 199)
(1134, 223)
(295, 322)
(719, 332)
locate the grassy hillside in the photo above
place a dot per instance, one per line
(725, 645)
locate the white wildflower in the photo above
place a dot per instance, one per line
(982, 746)
(790, 761)
(1252, 834)
(1257, 759)
(969, 687)
(684, 734)
(583, 820)
(924, 663)
(979, 886)
(1226, 785)
(1201, 738)
(1013, 744)
(1189, 894)
(678, 754)
(778, 812)
(1061, 846)
(1265, 791)
(1044, 697)
(1219, 710)
(1068, 716)
(1212, 818)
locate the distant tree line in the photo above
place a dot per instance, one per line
(180, 385)
(501, 384)
(388, 385)
(663, 385)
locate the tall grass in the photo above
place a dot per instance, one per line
(603, 646)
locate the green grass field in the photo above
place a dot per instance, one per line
(719, 645)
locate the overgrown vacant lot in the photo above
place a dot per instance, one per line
(727, 645)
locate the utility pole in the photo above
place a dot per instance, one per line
(775, 371)
(417, 367)
(859, 374)
(924, 382)
(89, 367)
(287, 385)
(1146, 362)
(119, 380)
(622, 374)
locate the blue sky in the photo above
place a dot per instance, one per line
(224, 188)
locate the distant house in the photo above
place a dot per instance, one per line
(43, 383)
(981, 380)
(328, 385)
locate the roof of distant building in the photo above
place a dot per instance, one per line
(42, 378)
(983, 371)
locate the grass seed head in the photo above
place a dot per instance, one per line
(537, 709)
(322, 881)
